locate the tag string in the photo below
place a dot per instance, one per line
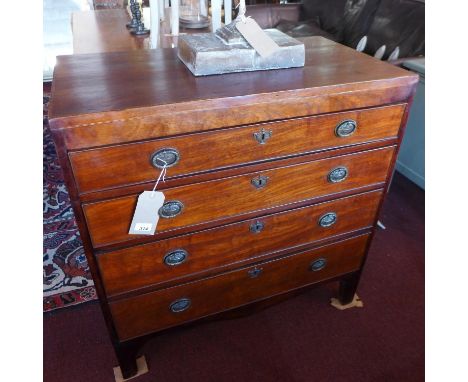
(242, 10)
(162, 175)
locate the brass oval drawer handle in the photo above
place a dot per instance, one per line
(337, 174)
(180, 305)
(263, 135)
(346, 128)
(167, 156)
(327, 219)
(257, 227)
(175, 257)
(171, 209)
(260, 181)
(255, 272)
(318, 264)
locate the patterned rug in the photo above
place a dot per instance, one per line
(67, 280)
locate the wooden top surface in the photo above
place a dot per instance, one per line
(104, 31)
(118, 81)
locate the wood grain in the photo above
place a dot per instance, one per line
(150, 312)
(104, 31)
(176, 181)
(123, 165)
(108, 221)
(102, 99)
(143, 265)
(125, 104)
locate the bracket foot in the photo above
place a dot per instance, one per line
(142, 368)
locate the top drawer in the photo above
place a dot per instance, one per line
(128, 164)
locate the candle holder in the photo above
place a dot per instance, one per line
(140, 29)
(134, 22)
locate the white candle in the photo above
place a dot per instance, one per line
(215, 15)
(146, 17)
(154, 23)
(227, 11)
(161, 9)
(175, 17)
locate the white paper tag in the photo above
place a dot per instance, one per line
(145, 219)
(256, 36)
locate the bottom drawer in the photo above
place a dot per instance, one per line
(165, 308)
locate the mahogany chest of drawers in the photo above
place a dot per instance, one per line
(274, 179)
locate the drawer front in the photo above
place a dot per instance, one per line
(109, 221)
(127, 164)
(169, 307)
(169, 259)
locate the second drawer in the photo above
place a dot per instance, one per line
(169, 259)
(191, 205)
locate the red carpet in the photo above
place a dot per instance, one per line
(66, 276)
(303, 339)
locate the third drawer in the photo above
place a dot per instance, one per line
(144, 265)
